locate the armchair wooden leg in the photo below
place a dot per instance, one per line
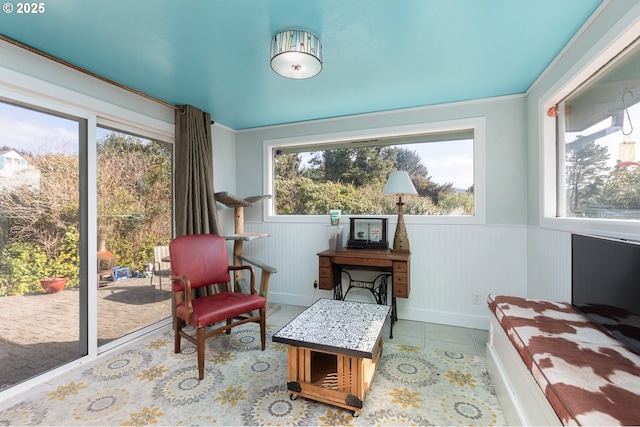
(263, 326)
(200, 345)
(177, 326)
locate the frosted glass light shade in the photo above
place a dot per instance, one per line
(296, 54)
(399, 183)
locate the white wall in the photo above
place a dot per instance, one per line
(449, 263)
(224, 171)
(549, 240)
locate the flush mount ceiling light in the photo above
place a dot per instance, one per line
(296, 54)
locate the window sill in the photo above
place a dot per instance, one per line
(624, 229)
(408, 219)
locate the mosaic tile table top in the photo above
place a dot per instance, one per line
(346, 327)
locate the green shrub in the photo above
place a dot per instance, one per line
(24, 264)
(21, 268)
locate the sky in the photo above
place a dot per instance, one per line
(449, 161)
(40, 133)
(36, 132)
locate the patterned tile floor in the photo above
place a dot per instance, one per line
(146, 383)
(417, 334)
(429, 336)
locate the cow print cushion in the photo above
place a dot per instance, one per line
(588, 377)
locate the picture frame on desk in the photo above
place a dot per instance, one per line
(368, 233)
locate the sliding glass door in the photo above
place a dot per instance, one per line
(134, 229)
(43, 298)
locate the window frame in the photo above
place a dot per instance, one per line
(479, 160)
(606, 50)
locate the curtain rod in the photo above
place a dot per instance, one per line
(85, 71)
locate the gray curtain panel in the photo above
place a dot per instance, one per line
(195, 211)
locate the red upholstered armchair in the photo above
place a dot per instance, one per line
(197, 261)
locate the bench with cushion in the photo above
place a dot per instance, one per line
(551, 365)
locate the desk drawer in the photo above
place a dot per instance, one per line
(400, 279)
(400, 267)
(401, 282)
(400, 290)
(362, 262)
(325, 284)
(325, 272)
(325, 275)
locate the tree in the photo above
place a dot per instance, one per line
(358, 173)
(334, 163)
(371, 166)
(357, 166)
(432, 190)
(461, 203)
(410, 161)
(40, 235)
(134, 196)
(586, 169)
(622, 189)
(287, 166)
(43, 215)
(302, 196)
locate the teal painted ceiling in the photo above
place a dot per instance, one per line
(377, 54)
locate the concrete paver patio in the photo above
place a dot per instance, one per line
(41, 331)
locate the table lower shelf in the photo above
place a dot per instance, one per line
(331, 378)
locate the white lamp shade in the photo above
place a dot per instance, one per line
(296, 54)
(399, 183)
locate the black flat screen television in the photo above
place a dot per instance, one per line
(605, 285)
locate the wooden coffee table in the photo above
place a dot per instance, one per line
(334, 349)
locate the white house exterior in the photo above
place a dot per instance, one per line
(16, 172)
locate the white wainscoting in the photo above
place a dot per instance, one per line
(449, 264)
(549, 264)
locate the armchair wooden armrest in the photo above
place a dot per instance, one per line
(182, 295)
(252, 280)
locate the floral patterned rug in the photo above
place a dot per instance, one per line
(149, 384)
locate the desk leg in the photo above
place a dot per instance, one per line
(337, 292)
(337, 285)
(394, 315)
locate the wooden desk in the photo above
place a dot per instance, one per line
(331, 263)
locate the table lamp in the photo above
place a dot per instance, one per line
(400, 184)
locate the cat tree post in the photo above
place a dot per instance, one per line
(240, 236)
